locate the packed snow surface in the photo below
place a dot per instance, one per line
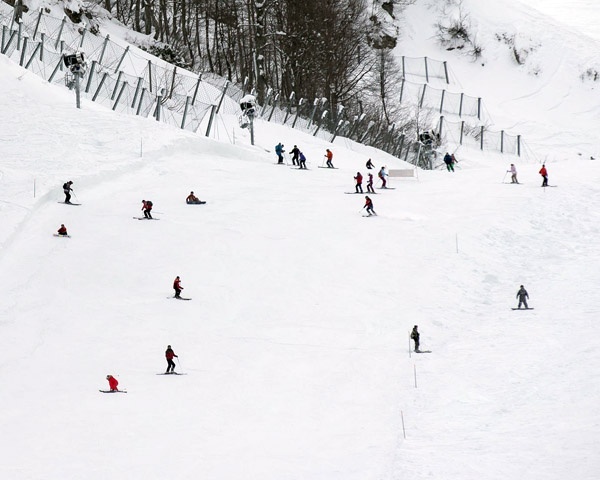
(295, 343)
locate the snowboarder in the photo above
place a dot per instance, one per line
(67, 189)
(169, 354)
(369, 206)
(522, 295)
(370, 184)
(415, 335)
(544, 174)
(369, 164)
(448, 162)
(295, 153)
(302, 161)
(62, 230)
(329, 157)
(359, 179)
(191, 198)
(382, 174)
(113, 383)
(177, 286)
(279, 151)
(147, 208)
(513, 173)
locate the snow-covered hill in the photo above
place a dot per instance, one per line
(295, 343)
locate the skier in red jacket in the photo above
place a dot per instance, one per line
(147, 208)
(359, 179)
(112, 383)
(369, 206)
(62, 230)
(169, 354)
(544, 174)
(177, 286)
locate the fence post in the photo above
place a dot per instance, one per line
(137, 91)
(400, 145)
(101, 57)
(479, 108)
(43, 44)
(213, 109)
(501, 141)
(119, 96)
(519, 145)
(60, 60)
(323, 115)
(446, 72)
(481, 138)
(315, 104)
(403, 69)
(461, 104)
(441, 129)
(35, 50)
(121, 59)
(426, 71)
(3, 38)
(83, 35)
(337, 127)
(273, 107)
(150, 76)
(288, 110)
(60, 30)
(185, 111)
(157, 110)
(442, 101)
(300, 103)
(196, 88)
(172, 83)
(23, 50)
(19, 34)
(401, 90)
(222, 96)
(137, 112)
(462, 129)
(102, 80)
(37, 24)
(423, 95)
(90, 76)
(112, 97)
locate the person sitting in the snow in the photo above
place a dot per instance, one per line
(191, 198)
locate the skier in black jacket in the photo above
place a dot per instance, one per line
(67, 189)
(415, 336)
(522, 295)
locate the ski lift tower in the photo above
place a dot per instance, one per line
(248, 106)
(76, 65)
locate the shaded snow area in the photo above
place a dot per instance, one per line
(295, 343)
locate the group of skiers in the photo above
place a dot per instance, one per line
(298, 158)
(450, 161)
(522, 296)
(113, 383)
(513, 174)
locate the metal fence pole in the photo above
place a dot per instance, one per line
(122, 58)
(23, 50)
(479, 108)
(185, 111)
(423, 95)
(37, 23)
(119, 96)
(460, 105)
(112, 96)
(446, 72)
(501, 141)
(481, 138)
(462, 129)
(213, 110)
(101, 57)
(442, 101)
(196, 89)
(137, 91)
(222, 96)
(90, 76)
(519, 145)
(139, 109)
(102, 80)
(426, 71)
(60, 30)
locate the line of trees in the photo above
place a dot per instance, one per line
(337, 50)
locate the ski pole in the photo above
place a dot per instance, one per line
(179, 363)
(504, 177)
